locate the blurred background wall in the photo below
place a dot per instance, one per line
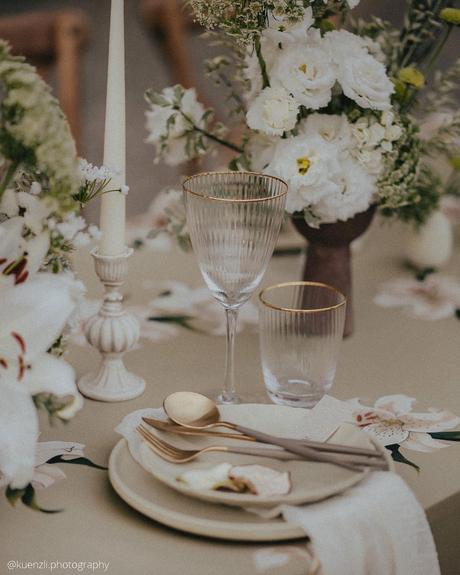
(148, 64)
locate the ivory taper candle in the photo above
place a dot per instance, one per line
(113, 215)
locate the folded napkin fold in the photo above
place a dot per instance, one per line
(376, 528)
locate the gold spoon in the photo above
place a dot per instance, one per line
(194, 410)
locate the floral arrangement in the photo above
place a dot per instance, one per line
(42, 189)
(332, 104)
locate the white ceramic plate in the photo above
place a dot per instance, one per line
(143, 492)
(311, 481)
(156, 500)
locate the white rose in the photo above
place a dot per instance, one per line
(355, 195)
(305, 70)
(362, 77)
(309, 165)
(273, 112)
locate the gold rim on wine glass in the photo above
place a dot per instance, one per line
(300, 284)
(187, 181)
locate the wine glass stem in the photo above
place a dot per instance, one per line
(228, 393)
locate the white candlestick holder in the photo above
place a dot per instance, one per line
(113, 332)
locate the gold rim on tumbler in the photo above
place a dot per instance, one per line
(190, 179)
(302, 310)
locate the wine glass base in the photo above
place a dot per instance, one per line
(239, 398)
(224, 399)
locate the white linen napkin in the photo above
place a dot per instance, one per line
(376, 528)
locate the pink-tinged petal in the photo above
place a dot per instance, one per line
(45, 475)
(395, 404)
(387, 434)
(423, 442)
(430, 421)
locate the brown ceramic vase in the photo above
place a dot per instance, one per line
(329, 255)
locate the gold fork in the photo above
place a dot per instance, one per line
(176, 455)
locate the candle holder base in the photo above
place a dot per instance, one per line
(112, 382)
(113, 332)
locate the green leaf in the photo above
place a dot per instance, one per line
(446, 435)
(13, 495)
(399, 457)
(422, 274)
(181, 320)
(233, 165)
(76, 461)
(27, 496)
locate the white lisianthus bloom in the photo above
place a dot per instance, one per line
(332, 128)
(273, 112)
(306, 71)
(277, 37)
(310, 166)
(357, 189)
(362, 78)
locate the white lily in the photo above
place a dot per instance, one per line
(19, 259)
(204, 312)
(437, 297)
(33, 314)
(46, 474)
(391, 420)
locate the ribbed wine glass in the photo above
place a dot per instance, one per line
(233, 219)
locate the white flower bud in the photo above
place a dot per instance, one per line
(431, 246)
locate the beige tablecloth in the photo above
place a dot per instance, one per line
(389, 353)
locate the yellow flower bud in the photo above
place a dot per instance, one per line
(455, 162)
(412, 76)
(451, 15)
(303, 165)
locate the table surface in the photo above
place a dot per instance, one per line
(389, 353)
